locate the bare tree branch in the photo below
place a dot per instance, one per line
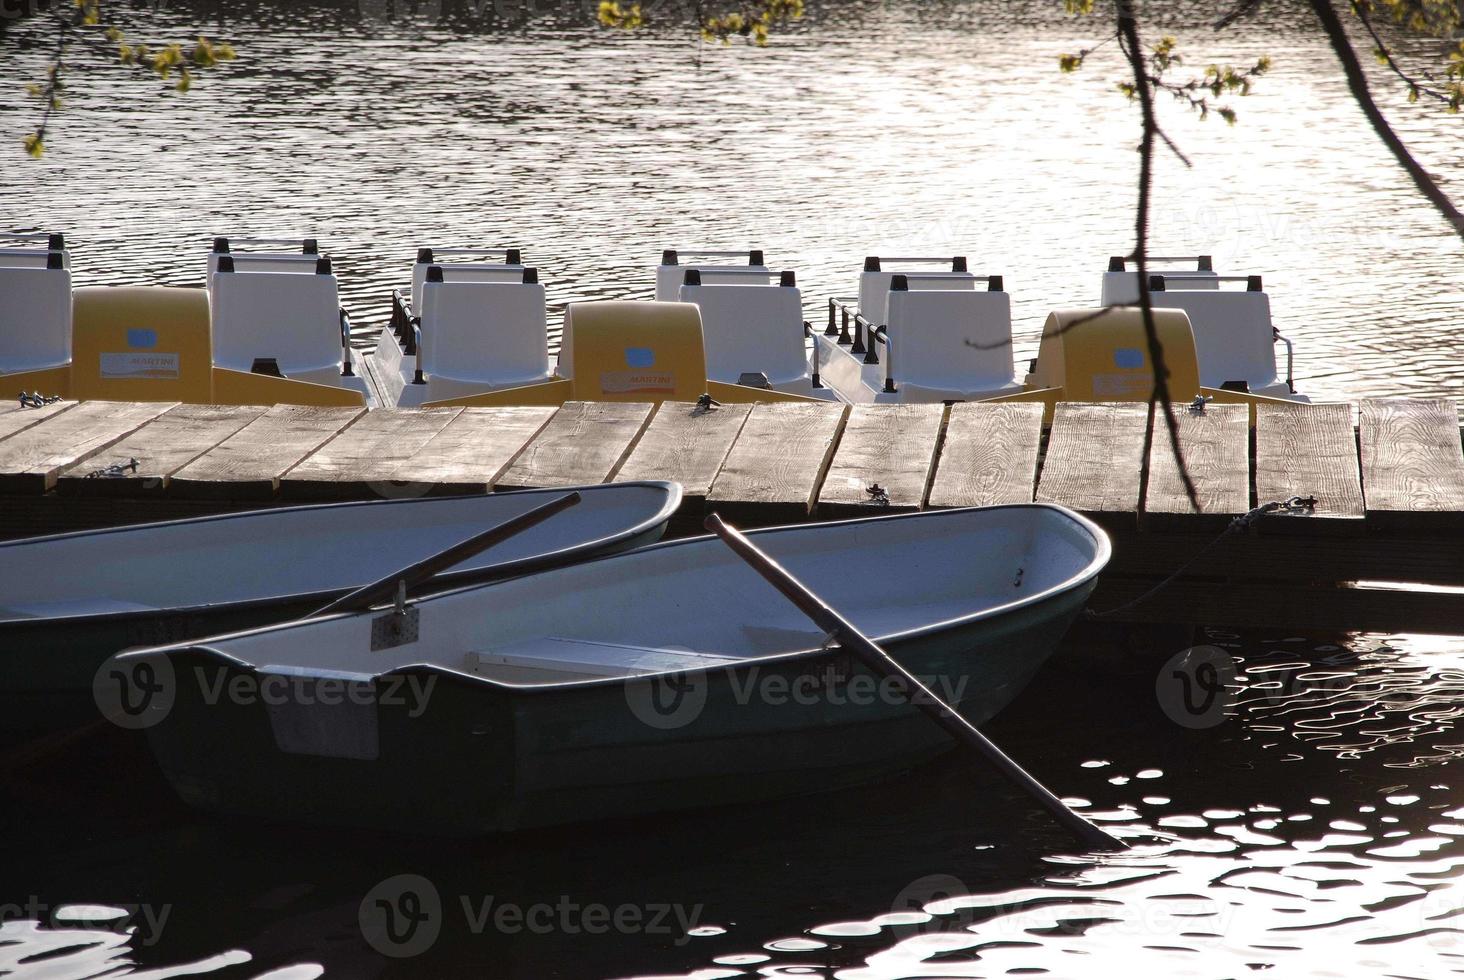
(1128, 31)
(1357, 83)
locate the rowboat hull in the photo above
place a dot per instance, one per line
(49, 663)
(477, 762)
(426, 749)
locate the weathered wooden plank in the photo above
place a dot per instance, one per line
(889, 447)
(248, 465)
(778, 462)
(14, 418)
(1215, 445)
(161, 448)
(359, 462)
(1309, 451)
(1095, 457)
(585, 442)
(472, 451)
(989, 455)
(31, 459)
(686, 444)
(1412, 463)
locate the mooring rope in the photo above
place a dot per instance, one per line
(1291, 505)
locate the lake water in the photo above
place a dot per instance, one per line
(1315, 830)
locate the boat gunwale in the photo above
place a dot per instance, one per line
(1092, 568)
(450, 581)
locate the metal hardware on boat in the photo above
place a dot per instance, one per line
(115, 470)
(1197, 407)
(1290, 360)
(1203, 263)
(1017, 582)
(844, 328)
(346, 370)
(808, 332)
(879, 496)
(35, 399)
(706, 403)
(883, 336)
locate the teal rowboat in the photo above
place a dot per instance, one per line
(70, 601)
(673, 676)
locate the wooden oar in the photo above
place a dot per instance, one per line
(869, 653)
(385, 588)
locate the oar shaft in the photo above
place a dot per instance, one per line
(384, 588)
(872, 656)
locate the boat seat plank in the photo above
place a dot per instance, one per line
(989, 455)
(248, 465)
(161, 447)
(14, 418)
(585, 442)
(357, 463)
(31, 459)
(473, 451)
(892, 446)
(778, 463)
(546, 658)
(1309, 450)
(1412, 463)
(688, 445)
(1095, 458)
(1215, 445)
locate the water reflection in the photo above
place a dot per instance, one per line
(1258, 846)
(937, 127)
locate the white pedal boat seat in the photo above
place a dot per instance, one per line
(671, 274)
(33, 249)
(283, 323)
(471, 336)
(1121, 286)
(875, 281)
(754, 334)
(35, 315)
(511, 269)
(1234, 335)
(302, 261)
(948, 343)
(921, 335)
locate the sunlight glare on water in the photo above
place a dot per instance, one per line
(936, 128)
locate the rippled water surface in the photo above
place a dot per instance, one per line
(929, 127)
(1314, 830)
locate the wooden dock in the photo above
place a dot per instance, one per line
(1388, 478)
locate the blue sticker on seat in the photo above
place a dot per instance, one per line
(639, 357)
(142, 338)
(1128, 357)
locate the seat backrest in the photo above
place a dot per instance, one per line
(748, 328)
(32, 258)
(874, 288)
(670, 278)
(284, 315)
(464, 272)
(484, 331)
(1121, 287)
(35, 318)
(1234, 339)
(956, 339)
(265, 262)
